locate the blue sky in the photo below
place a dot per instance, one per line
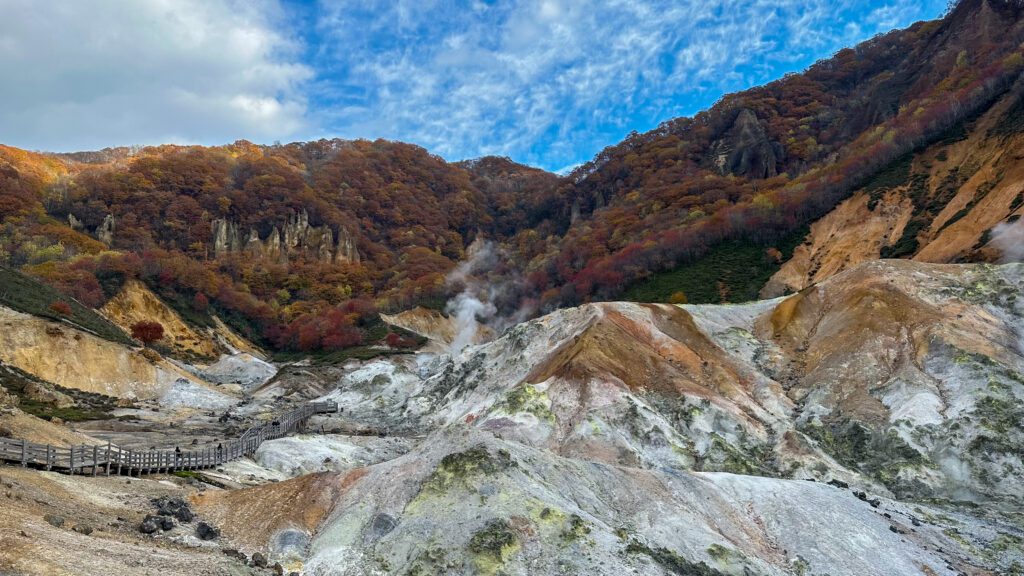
(545, 82)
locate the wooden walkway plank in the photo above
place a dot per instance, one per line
(115, 460)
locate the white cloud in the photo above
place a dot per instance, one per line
(547, 82)
(88, 74)
(550, 81)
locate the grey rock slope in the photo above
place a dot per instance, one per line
(868, 425)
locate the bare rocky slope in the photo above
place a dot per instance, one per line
(956, 200)
(868, 425)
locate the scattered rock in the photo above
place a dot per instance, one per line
(382, 524)
(176, 507)
(83, 529)
(54, 520)
(838, 483)
(237, 555)
(915, 521)
(166, 523)
(150, 524)
(207, 532)
(259, 560)
(278, 569)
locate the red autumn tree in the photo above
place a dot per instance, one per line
(147, 331)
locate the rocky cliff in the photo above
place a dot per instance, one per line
(296, 237)
(135, 302)
(745, 149)
(947, 203)
(59, 353)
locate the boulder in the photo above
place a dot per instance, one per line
(150, 524)
(46, 395)
(175, 507)
(237, 555)
(83, 529)
(7, 400)
(207, 531)
(54, 520)
(259, 560)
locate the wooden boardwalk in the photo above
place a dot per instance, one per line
(109, 459)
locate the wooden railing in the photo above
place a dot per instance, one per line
(110, 459)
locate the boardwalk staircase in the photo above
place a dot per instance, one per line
(109, 459)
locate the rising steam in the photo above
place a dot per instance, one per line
(1009, 239)
(476, 304)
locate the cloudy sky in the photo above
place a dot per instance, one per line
(546, 82)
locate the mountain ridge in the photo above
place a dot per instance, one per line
(384, 225)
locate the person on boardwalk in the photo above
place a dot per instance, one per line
(220, 450)
(177, 453)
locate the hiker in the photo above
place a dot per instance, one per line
(177, 453)
(220, 450)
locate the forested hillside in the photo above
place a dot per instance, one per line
(298, 246)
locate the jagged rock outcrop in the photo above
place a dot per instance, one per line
(297, 237)
(105, 231)
(745, 150)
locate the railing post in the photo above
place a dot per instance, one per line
(48, 465)
(24, 453)
(108, 457)
(95, 457)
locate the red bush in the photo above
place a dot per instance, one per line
(147, 331)
(62, 308)
(397, 341)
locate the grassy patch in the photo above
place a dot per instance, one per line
(25, 294)
(458, 467)
(671, 561)
(1012, 122)
(879, 455)
(731, 272)
(88, 406)
(526, 398)
(894, 175)
(755, 460)
(494, 539)
(576, 529)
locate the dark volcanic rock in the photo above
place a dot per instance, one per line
(176, 507)
(383, 524)
(237, 555)
(150, 524)
(207, 532)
